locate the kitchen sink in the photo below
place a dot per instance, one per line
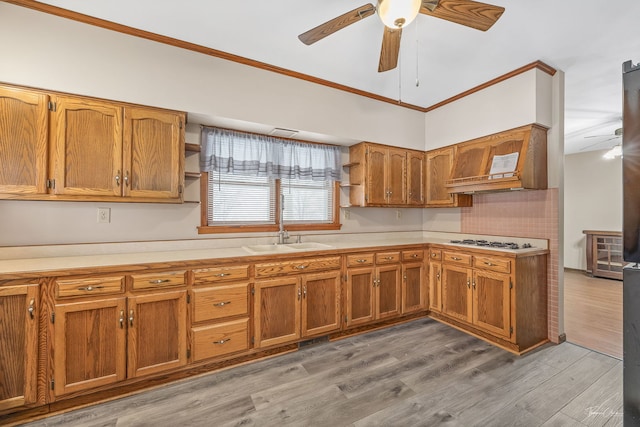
(266, 249)
(289, 247)
(308, 246)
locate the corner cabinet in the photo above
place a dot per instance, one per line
(68, 147)
(383, 176)
(439, 164)
(19, 318)
(500, 297)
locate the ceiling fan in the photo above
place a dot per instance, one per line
(617, 134)
(397, 14)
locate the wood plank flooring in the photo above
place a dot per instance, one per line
(593, 312)
(421, 373)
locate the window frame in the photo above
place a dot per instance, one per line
(205, 228)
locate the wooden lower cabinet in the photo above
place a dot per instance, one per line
(373, 293)
(103, 341)
(497, 297)
(19, 314)
(157, 332)
(414, 287)
(89, 344)
(289, 308)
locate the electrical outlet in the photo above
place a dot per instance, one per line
(104, 215)
(398, 214)
(347, 214)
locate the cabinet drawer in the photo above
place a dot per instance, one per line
(88, 287)
(220, 274)
(359, 260)
(387, 257)
(220, 339)
(297, 266)
(435, 254)
(158, 280)
(500, 265)
(414, 255)
(456, 258)
(220, 301)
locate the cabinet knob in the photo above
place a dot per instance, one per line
(121, 319)
(468, 284)
(222, 274)
(131, 318)
(118, 179)
(158, 281)
(301, 267)
(455, 258)
(126, 179)
(222, 341)
(361, 260)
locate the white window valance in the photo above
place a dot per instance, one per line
(239, 153)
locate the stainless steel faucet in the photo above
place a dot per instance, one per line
(283, 235)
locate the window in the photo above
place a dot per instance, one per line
(246, 175)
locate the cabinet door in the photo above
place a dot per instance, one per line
(153, 153)
(360, 296)
(457, 298)
(415, 178)
(376, 176)
(277, 311)
(492, 302)
(396, 171)
(24, 130)
(18, 345)
(435, 286)
(320, 303)
(89, 344)
(388, 292)
(157, 332)
(414, 289)
(438, 165)
(86, 151)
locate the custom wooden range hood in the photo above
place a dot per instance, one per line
(511, 160)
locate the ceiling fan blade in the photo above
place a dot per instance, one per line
(390, 49)
(342, 21)
(480, 16)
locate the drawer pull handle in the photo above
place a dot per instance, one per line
(414, 255)
(222, 304)
(222, 341)
(455, 258)
(121, 319)
(388, 258)
(222, 274)
(490, 264)
(468, 284)
(438, 276)
(474, 284)
(32, 308)
(301, 267)
(90, 288)
(131, 318)
(361, 260)
(158, 281)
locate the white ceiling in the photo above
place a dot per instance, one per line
(587, 39)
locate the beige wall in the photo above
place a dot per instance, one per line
(592, 199)
(48, 52)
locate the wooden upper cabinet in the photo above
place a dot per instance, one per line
(439, 164)
(153, 153)
(376, 182)
(56, 146)
(415, 178)
(23, 141)
(378, 175)
(86, 147)
(395, 174)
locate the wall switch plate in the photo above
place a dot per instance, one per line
(347, 214)
(104, 215)
(398, 214)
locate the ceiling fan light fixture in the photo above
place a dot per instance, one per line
(397, 14)
(613, 153)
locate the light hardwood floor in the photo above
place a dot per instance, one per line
(421, 373)
(593, 312)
